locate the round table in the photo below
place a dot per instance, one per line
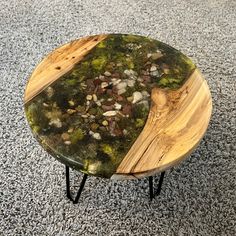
(117, 106)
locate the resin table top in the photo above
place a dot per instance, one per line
(118, 106)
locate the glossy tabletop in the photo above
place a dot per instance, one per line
(118, 106)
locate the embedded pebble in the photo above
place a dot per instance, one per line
(99, 103)
(107, 73)
(156, 55)
(95, 98)
(67, 142)
(130, 99)
(121, 91)
(153, 68)
(89, 97)
(137, 97)
(70, 130)
(130, 83)
(115, 81)
(84, 116)
(105, 123)
(50, 91)
(125, 132)
(71, 103)
(71, 111)
(117, 106)
(56, 122)
(110, 113)
(121, 85)
(97, 136)
(155, 73)
(104, 84)
(129, 72)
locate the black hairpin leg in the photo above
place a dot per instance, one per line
(151, 187)
(68, 186)
(159, 185)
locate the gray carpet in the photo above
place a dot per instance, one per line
(198, 196)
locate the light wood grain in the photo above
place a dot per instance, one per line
(59, 62)
(176, 123)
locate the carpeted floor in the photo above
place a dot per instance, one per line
(198, 196)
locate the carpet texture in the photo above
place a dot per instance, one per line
(198, 196)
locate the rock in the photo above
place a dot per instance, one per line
(109, 99)
(71, 103)
(84, 116)
(115, 81)
(153, 68)
(45, 104)
(95, 98)
(119, 64)
(105, 123)
(121, 85)
(71, 111)
(156, 55)
(117, 106)
(130, 99)
(89, 97)
(56, 122)
(155, 73)
(65, 136)
(67, 142)
(130, 72)
(137, 97)
(97, 136)
(99, 103)
(70, 130)
(104, 84)
(107, 73)
(149, 55)
(101, 77)
(121, 91)
(125, 132)
(130, 83)
(110, 113)
(49, 91)
(87, 103)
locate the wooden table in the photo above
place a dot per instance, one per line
(117, 106)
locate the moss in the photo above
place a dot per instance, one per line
(76, 136)
(99, 62)
(139, 123)
(101, 44)
(109, 150)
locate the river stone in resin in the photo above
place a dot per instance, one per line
(89, 117)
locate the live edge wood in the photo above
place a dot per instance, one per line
(176, 124)
(59, 62)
